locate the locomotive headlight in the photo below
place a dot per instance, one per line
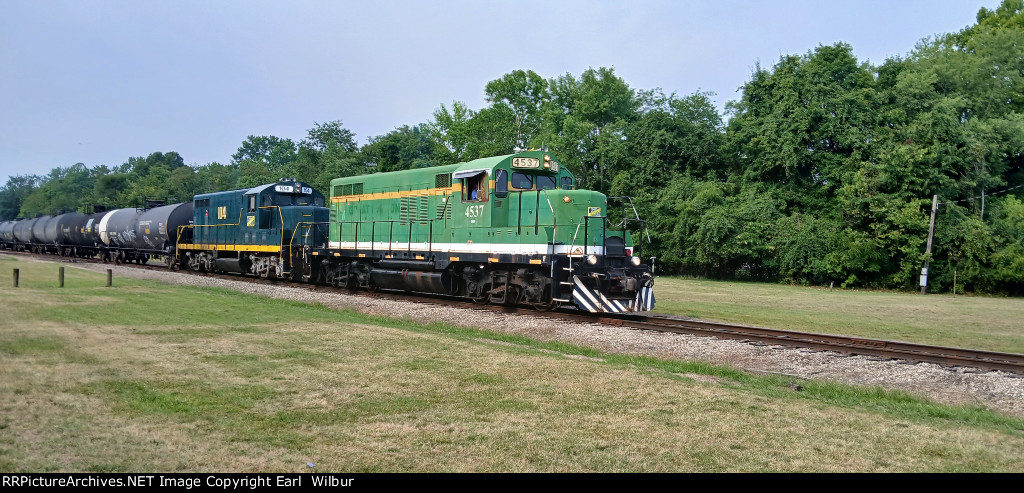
(591, 259)
(566, 199)
(635, 261)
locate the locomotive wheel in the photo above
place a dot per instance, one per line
(485, 296)
(544, 307)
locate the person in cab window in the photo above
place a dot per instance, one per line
(475, 186)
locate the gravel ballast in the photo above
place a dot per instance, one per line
(1000, 391)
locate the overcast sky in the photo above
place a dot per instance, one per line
(97, 82)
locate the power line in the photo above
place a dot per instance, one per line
(982, 196)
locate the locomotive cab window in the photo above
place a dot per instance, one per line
(567, 183)
(545, 182)
(522, 181)
(252, 203)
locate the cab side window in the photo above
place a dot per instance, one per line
(252, 203)
(567, 183)
(501, 183)
(473, 187)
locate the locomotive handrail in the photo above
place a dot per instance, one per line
(208, 225)
(291, 243)
(624, 199)
(391, 233)
(571, 245)
(536, 215)
(554, 219)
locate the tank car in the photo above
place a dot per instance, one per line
(46, 231)
(505, 229)
(23, 233)
(40, 236)
(117, 231)
(117, 228)
(89, 228)
(7, 235)
(158, 227)
(60, 233)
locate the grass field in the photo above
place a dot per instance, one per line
(151, 377)
(979, 322)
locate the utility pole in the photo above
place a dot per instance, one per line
(928, 251)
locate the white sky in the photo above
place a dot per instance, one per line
(99, 81)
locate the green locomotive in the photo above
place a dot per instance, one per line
(506, 229)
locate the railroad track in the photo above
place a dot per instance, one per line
(879, 348)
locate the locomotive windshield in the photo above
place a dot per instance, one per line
(545, 182)
(285, 200)
(522, 181)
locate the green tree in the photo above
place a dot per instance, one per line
(452, 133)
(263, 159)
(13, 194)
(214, 177)
(576, 115)
(517, 99)
(403, 148)
(63, 189)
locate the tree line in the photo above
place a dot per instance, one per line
(822, 172)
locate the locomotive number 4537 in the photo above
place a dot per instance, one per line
(474, 211)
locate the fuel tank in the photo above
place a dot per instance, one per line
(412, 280)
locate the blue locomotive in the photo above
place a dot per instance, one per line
(268, 231)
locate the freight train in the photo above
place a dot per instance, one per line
(507, 229)
(120, 235)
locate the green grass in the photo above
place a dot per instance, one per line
(978, 322)
(234, 382)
